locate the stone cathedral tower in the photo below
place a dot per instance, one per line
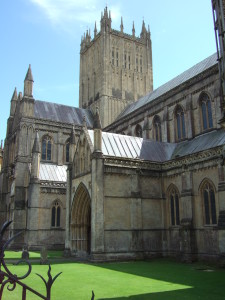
(115, 69)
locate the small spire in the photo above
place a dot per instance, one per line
(20, 96)
(1, 144)
(97, 122)
(109, 14)
(73, 136)
(29, 75)
(84, 123)
(133, 29)
(14, 96)
(121, 25)
(36, 146)
(143, 26)
(95, 30)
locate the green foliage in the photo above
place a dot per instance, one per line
(153, 280)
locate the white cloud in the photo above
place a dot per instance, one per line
(67, 12)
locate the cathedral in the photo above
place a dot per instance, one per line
(133, 172)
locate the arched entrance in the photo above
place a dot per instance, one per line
(81, 222)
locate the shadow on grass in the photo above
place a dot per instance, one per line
(201, 281)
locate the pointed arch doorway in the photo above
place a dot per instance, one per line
(81, 222)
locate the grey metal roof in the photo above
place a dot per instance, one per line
(119, 145)
(175, 82)
(62, 113)
(50, 172)
(200, 143)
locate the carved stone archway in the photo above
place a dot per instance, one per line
(81, 222)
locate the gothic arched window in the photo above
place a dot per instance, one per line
(46, 149)
(138, 130)
(209, 204)
(56, 212)
(67, 151)
(206, 111)
(157, 129)
(180, 123)
(174, 207)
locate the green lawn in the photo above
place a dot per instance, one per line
(157, 279)
(33, 255)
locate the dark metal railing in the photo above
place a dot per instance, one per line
(9, 280)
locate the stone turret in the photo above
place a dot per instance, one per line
(27, 102)
(13, 103)
(97, 132)
(106, 21)
(28, 83)
(72, 144)
(36, 155)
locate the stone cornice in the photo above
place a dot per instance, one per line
(196, 161)
(53, 184)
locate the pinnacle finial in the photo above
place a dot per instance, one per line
(95, 30)
(36, 146)
(14, 96)
(97, 122)
(84, 123)
(133, 29)
(121, 25)
(20, 96)
(72, 137)
(29, 76)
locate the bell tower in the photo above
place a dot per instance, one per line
(115, 68)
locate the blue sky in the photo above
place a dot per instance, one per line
(47, 35)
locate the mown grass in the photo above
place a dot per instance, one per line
(32, 255)
(153, 280)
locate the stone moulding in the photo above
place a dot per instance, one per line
(211, 157)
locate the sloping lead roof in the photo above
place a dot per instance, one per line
(118, 145)
(175, 82)
(200, 143)
(50, 172)
(62, 113)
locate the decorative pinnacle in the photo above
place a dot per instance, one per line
(36, 147)
(14, 96)
(133, 29)
(121, 25)
(84, 123)
(72, 137)
(97, 122)
(95, 30)
(29, 75)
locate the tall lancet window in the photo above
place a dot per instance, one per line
(180, 123)
(157, 134)
(46, 150)
(174, 207)
(206, 110)
(209, 204)
(56, 214)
